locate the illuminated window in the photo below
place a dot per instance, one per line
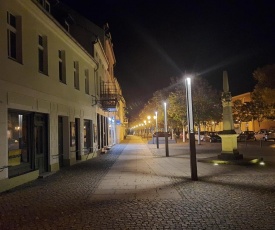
(62, 66)
(76, 75)
(86, 81)
(42, 54)
(18, 140)
(14, 37)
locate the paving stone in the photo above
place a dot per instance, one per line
(134, 186)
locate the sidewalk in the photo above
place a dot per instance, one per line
(144, 172)
(135, 186)
(137, 174)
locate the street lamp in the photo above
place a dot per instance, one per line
(193, 161)
(157, 136)
(145, 128)
(165, 129)
(149, 126)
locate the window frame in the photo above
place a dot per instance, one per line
(42, 49)
(14, 37)
(76, 75)
(86, 81)
(62, 66)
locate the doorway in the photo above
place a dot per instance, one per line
(41, 142)
(60, 141)
(77, 139)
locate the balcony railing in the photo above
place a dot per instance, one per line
(108, 96)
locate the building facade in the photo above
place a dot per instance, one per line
(53, 107)
(252, 125)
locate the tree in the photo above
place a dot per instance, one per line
(264, 92)
(177, 104)
(259, 108)
(265, 86)
(206, 102)
(207, 105)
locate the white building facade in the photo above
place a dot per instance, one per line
(51, 113)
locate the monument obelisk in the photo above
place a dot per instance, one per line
(228, 135)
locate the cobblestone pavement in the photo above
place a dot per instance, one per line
(224, 197)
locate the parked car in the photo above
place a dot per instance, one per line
(161, 134)
(246, 135)
(202, 133)
(270, 135)
(212, 137)
(261, 135)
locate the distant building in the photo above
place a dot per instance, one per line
(251, 125)
(59, 99)
(240, 126)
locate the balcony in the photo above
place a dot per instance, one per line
(108, 96)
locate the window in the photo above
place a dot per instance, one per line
(67, 26)
(42, 54)
(76, 75)
(18, 141)
(86, 81)
(14, 37)
(97, 86)
(62, 66)
(45, 4)
(88, 136)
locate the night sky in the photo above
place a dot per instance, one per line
(156, 40)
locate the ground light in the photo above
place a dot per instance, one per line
(257, 161)
(262, 162)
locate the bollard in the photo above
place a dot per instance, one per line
(166, 144)
(261, 143)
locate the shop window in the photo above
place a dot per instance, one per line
(18, 141)
(88, 136)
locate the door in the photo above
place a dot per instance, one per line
(41, 142)
(77, 139)
(60, 141)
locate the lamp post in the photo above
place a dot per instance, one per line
(193, 161)
(157, 136)
(165, 129)
(145, 128)
(149, 125)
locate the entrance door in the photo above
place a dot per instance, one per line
(41, 142)
(77, 139)
(60, 141)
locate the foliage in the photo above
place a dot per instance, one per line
(260, 109)
(264, 92)
(177, 104)
(242, 112)
(206, 103)
(265, 87)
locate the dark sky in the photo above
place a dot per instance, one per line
(155, 40)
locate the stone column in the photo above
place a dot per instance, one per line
(228, 135)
